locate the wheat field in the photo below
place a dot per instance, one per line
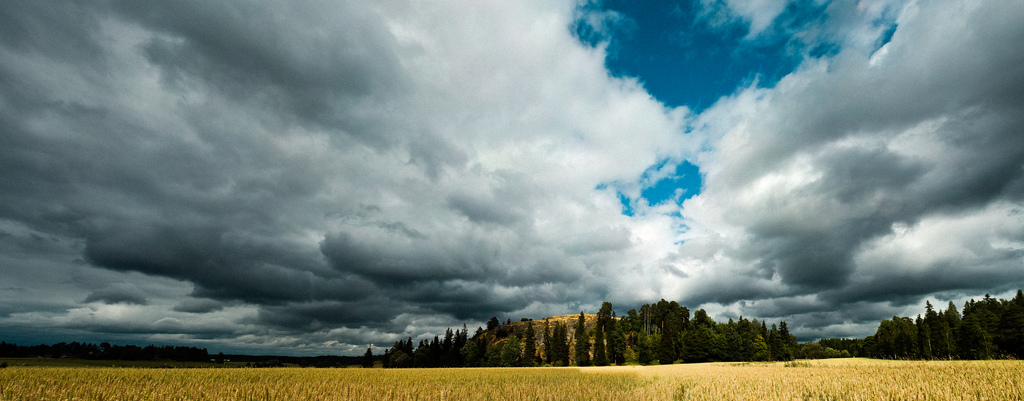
(846, 379)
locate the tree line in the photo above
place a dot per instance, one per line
(665, 332)
(985, 329)
(105, 351)
(661, 332)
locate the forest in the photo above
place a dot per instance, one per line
(657, 333)
(104, 351)
(665, 332)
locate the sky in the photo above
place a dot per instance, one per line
(315, 177)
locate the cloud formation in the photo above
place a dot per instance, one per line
(313, 177)
(322, 166)
(868, 176)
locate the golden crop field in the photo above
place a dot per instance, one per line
(846, 379)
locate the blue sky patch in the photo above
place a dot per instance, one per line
(685, 180)
(680, 58)
(661, 183)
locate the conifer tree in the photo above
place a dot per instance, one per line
(788, 339)
(667, 345)
(600, 353)
(558, 351)
(617, 342)
(1011, 329)
(368, 358)
(529, 346)
(645, 351)
(582, 342)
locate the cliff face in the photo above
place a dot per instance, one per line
(501, 334)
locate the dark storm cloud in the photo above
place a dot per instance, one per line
(199, 305)
(263, 51)
(405, 260)
(305, 167)
(388, 169)
(118, 294)
(223, 264)
(312, 316)
(66, 32)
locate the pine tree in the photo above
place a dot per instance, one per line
(1011, 329)
(582, 342)
(600, 353)
(368, 358)
(788, 339)
(617, 343)
(667, 345)
(924, 338)
(645, 351)
(529, 346)
(776, 345)
(558, 351)
(973, 342)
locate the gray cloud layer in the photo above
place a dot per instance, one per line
(311, 177)
(867, 176)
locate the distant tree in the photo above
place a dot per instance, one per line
(558, 347)
(600, 353)
(896, 338)
(368, 358)
(493, 323)
(697, 344)
(776, 345)
(512, 352)
(760, 349)
(529, 347)
(788, 340)
(973, 341)
(470, 354)
(813, 351)
(667, 352)
(493, 355)
(605, 321)
(645, 348)
(582, 342)
(399, 359)
(1011, 329)
(617, 342)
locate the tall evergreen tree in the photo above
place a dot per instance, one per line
(645, 353)
(1011, 329)
(776, 346)
(952, 318)
(973, 342)
(788, 340)
(600, 353)
(617, 342)
(368, 358)
(558, 352)
(582, 353)
(671, 327)
(529, 346)
(924, 338)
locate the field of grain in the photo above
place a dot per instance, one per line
(848, 379)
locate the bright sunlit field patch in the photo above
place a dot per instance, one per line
(852, 379)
